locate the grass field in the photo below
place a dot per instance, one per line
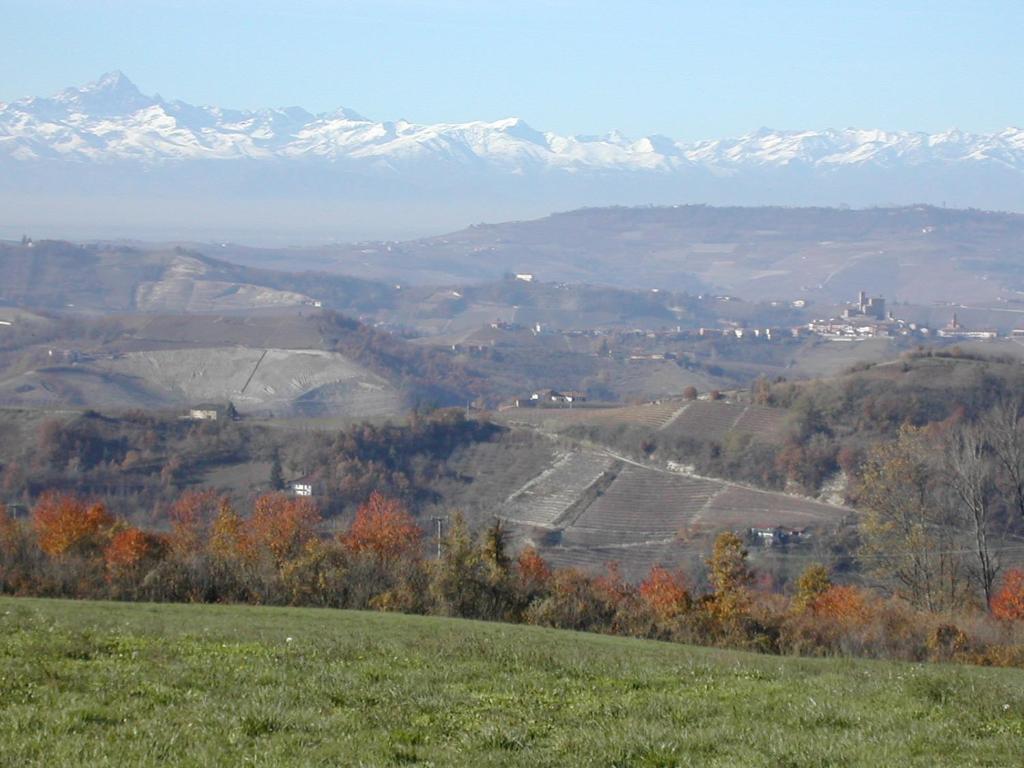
(143, 685)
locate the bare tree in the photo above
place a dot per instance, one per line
(1005, 434)
(971, 475)
(908, 539)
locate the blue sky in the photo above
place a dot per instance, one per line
(687, 69)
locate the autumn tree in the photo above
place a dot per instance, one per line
(1008, 602)
(572, 602)
(730, 577)
(229, 539)
(15, 566)
(843, 604)
(533, 575)
(283, 525)
(384, 528)
(812, 584)
(64, 524)
(471, 578)
(761, 391)
(127, 554)
(909, 542)
(665, 593)
(191, 516)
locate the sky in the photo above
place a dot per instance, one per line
(690, 70)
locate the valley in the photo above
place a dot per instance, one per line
(604, 424)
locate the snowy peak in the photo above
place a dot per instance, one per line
(110, 120)
(111, 95)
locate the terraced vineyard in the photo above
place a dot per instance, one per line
(595, 508)
(489, 472)
(766, 424)
(708, 419)
(547, 497)
(634, 562)
(713, 420)
(739, 506)
(652, 415)
(642, 505)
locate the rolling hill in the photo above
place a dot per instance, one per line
(917, 255)
(57, 275)
(284, 363)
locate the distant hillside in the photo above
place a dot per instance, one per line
(53, 274)
(917, 254)
(312, 363)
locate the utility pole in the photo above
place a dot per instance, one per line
(439, 527)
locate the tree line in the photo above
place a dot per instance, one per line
(278, 554)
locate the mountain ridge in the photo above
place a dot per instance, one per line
(104, 160)
(110, 119)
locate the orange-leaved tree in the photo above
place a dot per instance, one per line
(844, 604)
(1008, 602)
(128, 548)
(64, 523)
(665, 593)
(284, 525)
(190, 515)
(383, 527)
(229, 539)
(534, 573)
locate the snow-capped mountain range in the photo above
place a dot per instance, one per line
(107, 139)
(111, 120)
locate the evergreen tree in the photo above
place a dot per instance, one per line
(276, 473)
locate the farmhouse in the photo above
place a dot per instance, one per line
(306, 486)
(302, 488)
(554, 396)
(211, 412)
(770, 536)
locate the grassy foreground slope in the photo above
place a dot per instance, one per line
(136, 684)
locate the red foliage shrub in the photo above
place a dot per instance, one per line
(533, 571)
(843, 603)
(1008, 602)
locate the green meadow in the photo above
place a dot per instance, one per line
(97, 684)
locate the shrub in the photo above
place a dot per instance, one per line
(1008, 602)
